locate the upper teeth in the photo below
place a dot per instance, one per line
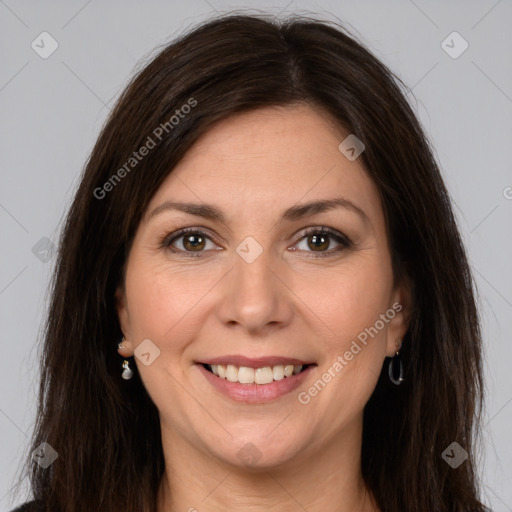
(246, 375)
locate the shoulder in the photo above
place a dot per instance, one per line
(30, 506)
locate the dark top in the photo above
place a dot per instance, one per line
(30, 506)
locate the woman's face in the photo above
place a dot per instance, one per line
(261, 290)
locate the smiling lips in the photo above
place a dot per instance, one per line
(255, 384)
(261, 370)
(247, 375)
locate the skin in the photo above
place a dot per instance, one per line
(288, 303)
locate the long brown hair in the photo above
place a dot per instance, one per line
(106, 430)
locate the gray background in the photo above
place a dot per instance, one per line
(52, 111)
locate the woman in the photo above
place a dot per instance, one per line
(263, 225)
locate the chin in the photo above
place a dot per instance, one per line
(257, 452)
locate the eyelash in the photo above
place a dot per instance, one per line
(346, 243)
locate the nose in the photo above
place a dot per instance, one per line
(256, 298)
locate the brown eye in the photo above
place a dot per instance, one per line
(191, 242)
(318, 241)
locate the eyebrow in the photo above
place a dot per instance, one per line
(293, 213)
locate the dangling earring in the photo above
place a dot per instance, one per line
(127, 372)
(391, 368)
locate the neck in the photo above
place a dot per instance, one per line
(316, 480)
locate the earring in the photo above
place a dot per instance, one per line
(120, 345)
(127, 372)
(391, 368)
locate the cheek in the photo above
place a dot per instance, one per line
(349, 298)
(354, 348)
(161, 297)
(158, 302)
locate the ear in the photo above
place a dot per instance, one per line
(401, 304)
(122, 311)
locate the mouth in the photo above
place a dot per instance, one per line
(260, 376)
(255, 380)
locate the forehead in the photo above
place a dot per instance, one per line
(265, 160)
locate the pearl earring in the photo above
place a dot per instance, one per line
(127, 372)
